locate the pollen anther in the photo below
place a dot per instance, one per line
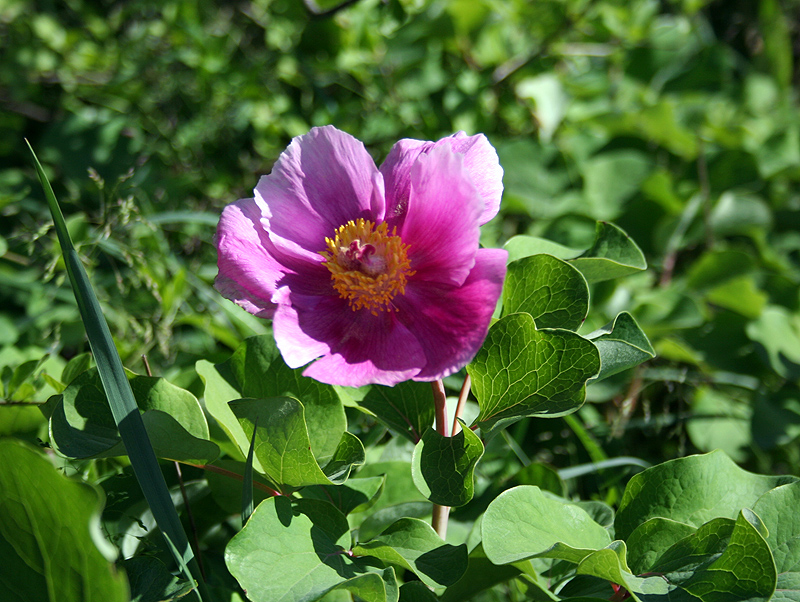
(368, 266)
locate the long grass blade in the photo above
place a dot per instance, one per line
(121, 399)
(247, 481)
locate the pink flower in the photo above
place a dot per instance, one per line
(374, 273)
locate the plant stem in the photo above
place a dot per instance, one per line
(440, 513)
(462, 401)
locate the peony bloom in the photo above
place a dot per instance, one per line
(376, 272)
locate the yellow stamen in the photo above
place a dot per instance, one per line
(368, 266)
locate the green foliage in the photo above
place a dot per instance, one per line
(51, 551)
(673, 330)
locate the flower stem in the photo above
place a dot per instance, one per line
(462, 401)
(440, 513)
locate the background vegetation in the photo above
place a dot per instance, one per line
(676, 119)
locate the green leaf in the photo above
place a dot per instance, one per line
(777, 336)
(443, 467)
(283, 447)
(610, 564)
(605, 188)
(301, 559)
(481, 574)
(525, 523)
(621, 344)
(406, 408)
(547, 288)
(613, 255)
(256, 370)
(49, 534)
(521, 371)
(416, 591)
(82, 425)
(720, 422)
(691, 490)
(247, 478)
(524, 246)
(151, 581)
(778, 509)
(412, 544)
(723, 560)
(650, 540)
(356, 495)
(717, 267)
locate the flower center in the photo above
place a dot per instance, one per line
(368, 265)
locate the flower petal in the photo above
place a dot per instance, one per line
(358, 348)
(441, 225)
(451, 323)
(321, 181)
(480, 159)
(247, 271)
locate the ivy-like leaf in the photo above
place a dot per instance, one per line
(524, 523)
(406, 408)
(47, 548)
(651, 539)
(283, 448)
(621, 344)
(547, 288)
(151, 581)
(614, 254)
(524, 246)
(301, 559)
(412, 544)
(521, 371)
(691, 490)
(443, 467)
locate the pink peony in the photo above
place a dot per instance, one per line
(374, 273)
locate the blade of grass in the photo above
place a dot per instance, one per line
(121, 399)
(247, 481)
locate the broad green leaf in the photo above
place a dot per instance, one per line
(49, 534)
(283, 448)
(621, 344)
(356, 495)
(412, 544)
(613, 255)
(610, 564)
(481, 574)
(75, 367)
(407, 408)
(740, 295)
(605, 189)
(776, 417)
(256, 370)
(443, 467)
(723, 560)
(717, 267)
(720, 422)
(416, 591)
(650, 540)
(82, 425)
(283, 555)
(777, 336)
(521, 371)
(151, 581)
(524, 246)
(691, 490)
(778, 509)
(547, 288)
(524, 523)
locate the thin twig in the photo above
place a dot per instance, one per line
(146, 365)
(190, 516)
(462, 401)
(229, 473)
